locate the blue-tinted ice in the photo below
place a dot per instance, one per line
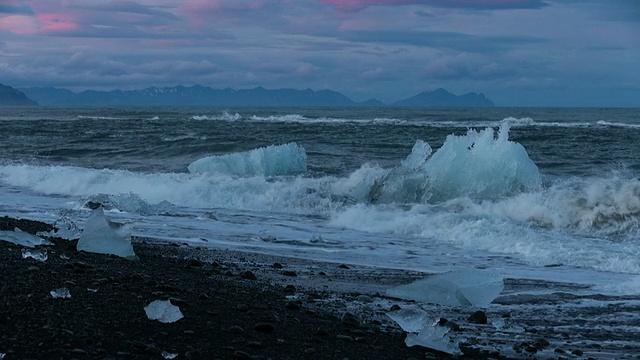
(424, 331)
(466, 287)
(105, 237)
(20, 237)
(163, 311)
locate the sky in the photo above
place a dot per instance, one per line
(516, 52)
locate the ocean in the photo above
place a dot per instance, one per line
(528, 193)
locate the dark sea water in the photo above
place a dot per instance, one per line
(544, 194)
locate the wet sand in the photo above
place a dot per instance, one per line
(251, 306)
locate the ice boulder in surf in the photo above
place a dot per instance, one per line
(274, 160)
(106, 237)
(22, 238)
(477, 165)
(466, 287)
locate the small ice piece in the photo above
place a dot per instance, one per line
(105, 237)
(60, 293)
(2, 355)
(38, 254)
(66, 229)
(424, 331)
(168, 355)
(163, 311)
(20, 237)
(466, 287)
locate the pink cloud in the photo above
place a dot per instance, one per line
(19, 24)
(56, 22)
(200, 12)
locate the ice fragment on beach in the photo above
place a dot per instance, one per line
(168, 355)
(20, 237)
(163, 311)
(424, 331)
(105, 237)
(60, 293)
(38, 254)
(65, 229)
(2, 355)
(467, 287)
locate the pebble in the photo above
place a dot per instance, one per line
(310, 351)
(344, 337)
(364, 299)
(577, 352)
(277, 265)
(263, 327)
(350, 319)
(235, 329)
(395, 307)
(194, 355)
(289, 273)
(290, 289)
(478, 317)
(248, 275)
(343, 266)
(241, 355)
(292, 305)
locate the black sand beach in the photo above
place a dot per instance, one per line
(250, 306)
(235, 306)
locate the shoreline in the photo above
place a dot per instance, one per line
(242, 305)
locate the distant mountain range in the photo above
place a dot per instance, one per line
(205, 96)
(12, 97)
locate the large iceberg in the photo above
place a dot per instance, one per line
(478, 165)
(466, 287)
(106, 237)
(272, 160)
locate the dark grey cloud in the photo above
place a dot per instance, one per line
(22, 9)
(132, 8)
(440, 40)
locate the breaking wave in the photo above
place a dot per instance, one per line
(274, 160)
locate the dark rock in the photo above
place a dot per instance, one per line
(248, 275)
(395, 307)
(242, 308)
(254, 344)
(195, 263)
(194, 355)
(277, 265)
(235, 329)
(321, 332)
(350, 319)
(478, 317)
(344, 337)
(292, 305)
(577, 352)
(264, 327)
(290, 289)
(289, 273)
(310, 351)
(343, 266)
(541, 343)
(241, 355)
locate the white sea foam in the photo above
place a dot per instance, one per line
(225, 116)
(272, 160)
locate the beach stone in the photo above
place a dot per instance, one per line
(235, 329)
(194, 355)
(478, 317)
(343, 266)
(577, 352)
(264, 327)
(291, 305)
(321, 332)
(344, 337)
(277, 265)
(248, 275)
(254, 344)
(310, 351)
(350, 319)
(395, 307)
(290, 289)
(241, 355)
(364, 299)
(194, 263)
(289, 273)
(541, 343)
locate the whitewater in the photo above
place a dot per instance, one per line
(546, 194)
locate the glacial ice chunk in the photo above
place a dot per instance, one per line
(38, 254)
(274, 160)
(106, 237)
(424, 331)
(168, 355)
(466, 287)
(163, 311)
(20, 237)
(65, 229)
(60, 293)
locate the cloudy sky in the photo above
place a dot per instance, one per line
(517, 52)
